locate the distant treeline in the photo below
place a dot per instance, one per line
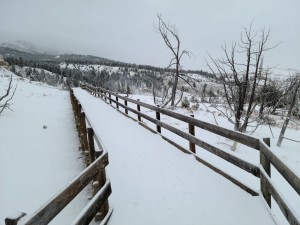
(134, 66)
(51, 62)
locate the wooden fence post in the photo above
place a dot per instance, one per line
(78, 110)
(83, 133)
(265, 162)
(14, 221)
(75, 109)
(139, 109)
(117, 101)
(158, 128)
(102, 179)
(72, 99)
(109, 95)
(90, 132)
(192, 132)
(126, 110)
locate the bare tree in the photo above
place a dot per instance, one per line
(241, 73)
(7, 97)
(295, 95)
(169, 34)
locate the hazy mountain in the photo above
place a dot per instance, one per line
(21, 46)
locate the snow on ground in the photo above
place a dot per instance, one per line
(96, 67)
(155, 183)
(289, 152)
(36, 163)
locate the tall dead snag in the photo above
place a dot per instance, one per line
(295, 95)
(169, 34)
(7, 97)
(241, 73)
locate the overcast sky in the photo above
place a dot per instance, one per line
(123, 29)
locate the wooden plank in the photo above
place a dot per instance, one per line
(283, 169)
(218, 152)
(47, 212)
(285, 208)
(89, 212)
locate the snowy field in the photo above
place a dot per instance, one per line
(37, 162)
(155, 183)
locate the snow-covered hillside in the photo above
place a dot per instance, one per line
(38, 149)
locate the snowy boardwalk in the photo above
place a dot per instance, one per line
(155, 183)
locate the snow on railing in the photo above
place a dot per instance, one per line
(267, 157)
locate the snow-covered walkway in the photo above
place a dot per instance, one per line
(155, 183)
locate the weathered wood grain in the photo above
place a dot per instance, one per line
(47, 212)
(89, 212)
(285, 208)
(91, 144)
(283, 169)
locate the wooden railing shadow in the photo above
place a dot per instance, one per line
(261, 171)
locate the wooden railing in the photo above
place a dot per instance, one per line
(262, 171)
(97, 207)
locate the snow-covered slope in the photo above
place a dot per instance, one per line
(38, 149)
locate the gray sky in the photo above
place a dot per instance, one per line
(123, 29)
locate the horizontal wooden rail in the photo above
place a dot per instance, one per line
(287, 173)
(47, 212)
(286, 209)
(89, 212)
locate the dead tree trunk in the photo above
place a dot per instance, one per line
(240, 80)
(170, 35)
(287, 119)
(6, 98)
